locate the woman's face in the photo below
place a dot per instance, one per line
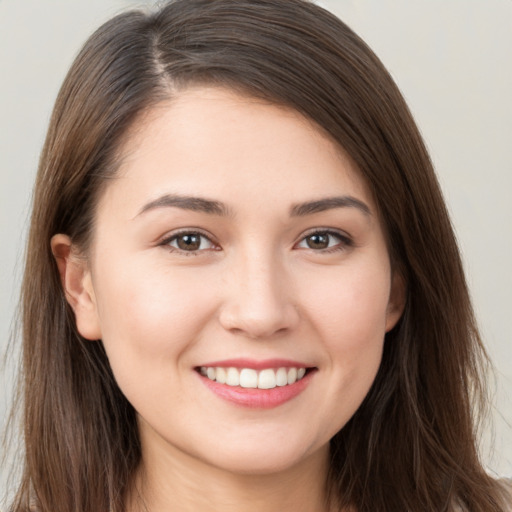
(239, 242)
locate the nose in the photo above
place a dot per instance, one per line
(257, 300)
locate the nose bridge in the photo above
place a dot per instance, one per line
(257, 301)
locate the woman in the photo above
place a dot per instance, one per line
(242, 288)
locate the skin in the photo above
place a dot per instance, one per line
(257, 287)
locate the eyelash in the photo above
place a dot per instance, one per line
(345, 242)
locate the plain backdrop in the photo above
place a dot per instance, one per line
(452, 60)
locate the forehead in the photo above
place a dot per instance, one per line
(215, 142)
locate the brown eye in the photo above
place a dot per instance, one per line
(325, 241)
(190, 242)
(318, 241)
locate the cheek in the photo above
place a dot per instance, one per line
(350, 306)
(351, 322)
(149, 315)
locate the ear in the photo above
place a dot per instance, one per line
(76, 282)
(397, 299)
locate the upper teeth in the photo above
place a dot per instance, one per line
(250, 378)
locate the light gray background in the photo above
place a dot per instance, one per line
(451, 58)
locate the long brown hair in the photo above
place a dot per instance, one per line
(412, 443)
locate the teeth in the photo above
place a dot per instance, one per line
(220, 375)
(233, 377)
(267, 379)
(250, 378)
(292, 375)
(281, 377)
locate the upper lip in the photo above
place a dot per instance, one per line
(257, 364)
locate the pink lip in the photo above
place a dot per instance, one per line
(257, 365)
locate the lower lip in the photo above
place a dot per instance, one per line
(258, 398)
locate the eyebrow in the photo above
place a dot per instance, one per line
(196, 204)
(329, 203)
(203, 205)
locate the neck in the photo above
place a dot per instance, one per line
(178, 482)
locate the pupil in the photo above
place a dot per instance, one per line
(318, 241)
(189, 242)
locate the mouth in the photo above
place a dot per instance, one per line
(260, 385)
(250, 378)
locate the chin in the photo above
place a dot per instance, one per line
(259, 457)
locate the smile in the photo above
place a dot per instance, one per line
(267, 378)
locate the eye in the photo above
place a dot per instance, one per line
(189, 241)
(324, 241)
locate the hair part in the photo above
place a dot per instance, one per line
(411, 445)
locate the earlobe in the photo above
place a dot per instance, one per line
(397, 299)
(75, 277)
